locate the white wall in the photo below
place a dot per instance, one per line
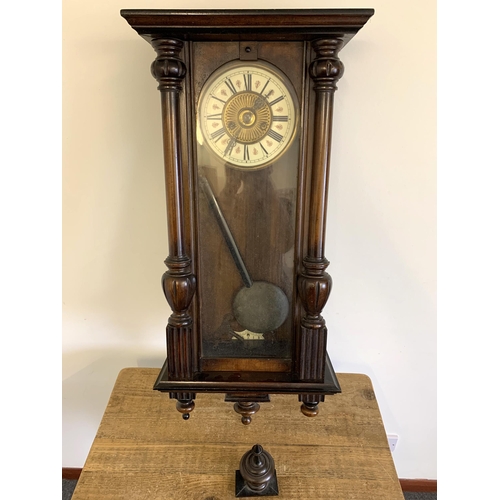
(381, 217)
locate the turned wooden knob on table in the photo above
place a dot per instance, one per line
(256, 468)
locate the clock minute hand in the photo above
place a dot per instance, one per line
(228, 236)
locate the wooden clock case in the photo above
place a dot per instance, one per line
(190, 45)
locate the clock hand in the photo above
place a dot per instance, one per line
(258, 104)
(232, 142)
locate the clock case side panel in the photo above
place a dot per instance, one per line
(179, 281)
(314, 283)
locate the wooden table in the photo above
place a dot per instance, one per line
(144, 450)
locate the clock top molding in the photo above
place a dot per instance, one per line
(261, 24)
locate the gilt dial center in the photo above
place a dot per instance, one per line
(247, 118)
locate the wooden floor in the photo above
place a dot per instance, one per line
(144, 450)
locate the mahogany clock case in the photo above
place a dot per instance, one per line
(279, 212)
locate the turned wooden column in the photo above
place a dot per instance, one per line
(179, 283)
(314, 284)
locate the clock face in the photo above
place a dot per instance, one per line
(247, 114)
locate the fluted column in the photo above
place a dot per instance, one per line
(314, 284)
(179, 283)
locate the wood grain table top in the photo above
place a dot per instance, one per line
(145, 450)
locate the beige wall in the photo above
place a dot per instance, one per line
(381, 217)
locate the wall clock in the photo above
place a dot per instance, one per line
(247, 111)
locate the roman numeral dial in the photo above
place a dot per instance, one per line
(247, 114)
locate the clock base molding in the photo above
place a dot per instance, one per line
(251, 388)
(413, 485)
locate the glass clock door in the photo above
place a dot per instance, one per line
(248, 156)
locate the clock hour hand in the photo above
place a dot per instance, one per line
(230, 145)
